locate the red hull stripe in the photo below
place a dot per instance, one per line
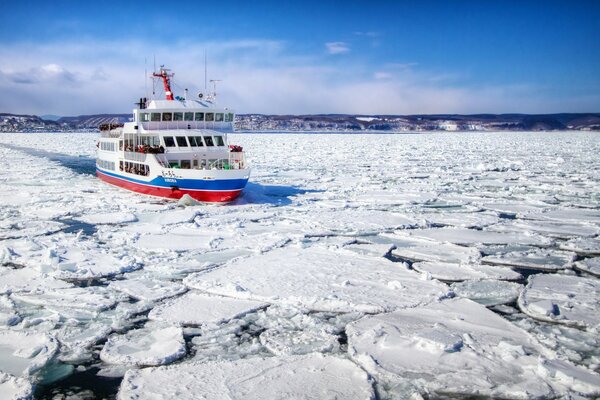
(200, 195)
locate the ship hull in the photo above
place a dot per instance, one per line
(220, 191)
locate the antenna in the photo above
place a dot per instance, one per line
(205, 69)
(153, 81)
(146, 76)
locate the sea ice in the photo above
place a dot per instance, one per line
(13, 388)
(457, 348)
(148, 289)
(144, 347)
(488, 292)
(538, 260)
(287, 342)
(463, 236)
(321, 280)
(413, 249)
(194, 308)
(24, 353)
(313, 376)
(569, 300)
(90, 300)
(589, 265)
(110, 218)
(454, 272)
(583, 246)
(557, 230)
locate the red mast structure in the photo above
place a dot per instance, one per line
(166, 78)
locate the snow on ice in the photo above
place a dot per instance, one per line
(564, 299)
(337, 257)
(313, 376)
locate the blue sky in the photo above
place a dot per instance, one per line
(377, 57)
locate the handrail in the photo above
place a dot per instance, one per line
(160, 125)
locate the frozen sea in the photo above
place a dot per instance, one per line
(376, 266)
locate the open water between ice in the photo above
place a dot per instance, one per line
(388, 260)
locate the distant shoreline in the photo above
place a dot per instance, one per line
(337, 123)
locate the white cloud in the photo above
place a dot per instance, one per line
(337, 47)
(258, 77)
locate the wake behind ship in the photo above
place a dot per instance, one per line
(174, 147)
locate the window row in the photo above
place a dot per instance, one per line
(134, 168)
(194, 141)
(105, 164)
(222, 163)
(107, 146)
(186, 116)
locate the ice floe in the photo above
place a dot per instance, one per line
(321, 280)
(297, 377)
(194, 308)
(299, 342)
(145, 347)
(539, 260)
(463, 236)
(13, 388)
(569, 300)
(488, 292)
(417, 351)
(454, 272)
(589, 265)
(414, 249)
(24, 353)
(113, 218)
(583, 246)
(148, 289)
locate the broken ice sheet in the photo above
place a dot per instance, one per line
(538, 259)
(147, 288)
(24, 353)
(423, 346)
(569, 300)
(416, 249)
(558, 230)
(488, 292)
(299, 377)
(589, 265)
(582, 246)
(454, 272)
(319, 279)
(581, 347)
(286, 342)
(144, 347)
(13, 388)
(463, 236)
(195, 308)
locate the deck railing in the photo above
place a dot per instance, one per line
(216, 125)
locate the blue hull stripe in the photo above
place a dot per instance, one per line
(187, 184)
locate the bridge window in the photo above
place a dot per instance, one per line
(208, 140)
(169, 141)
(199, 141)
(188, 116)
(177, 116)
(167, 117)
(219, 141)
(210, 116)
(181, 142)
(155, 116)
(219, 117)
(192, 141)
(199, 117)
(145, 117)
